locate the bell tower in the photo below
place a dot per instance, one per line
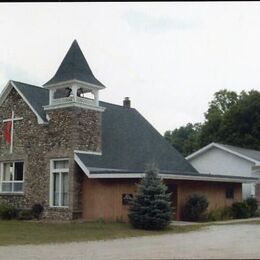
(74, 83)
(73, 111)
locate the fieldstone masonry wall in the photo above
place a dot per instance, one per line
(36, 144)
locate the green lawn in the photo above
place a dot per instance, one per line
(252, 222)
(25, 232)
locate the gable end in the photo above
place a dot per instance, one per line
(219, 146)
(6, 91)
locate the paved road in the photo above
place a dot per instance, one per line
(226, 241)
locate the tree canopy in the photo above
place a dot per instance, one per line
(185, 139)
(230, 119)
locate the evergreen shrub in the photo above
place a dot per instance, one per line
(151, 207)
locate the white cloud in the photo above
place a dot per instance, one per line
(147, 22)
(169, 58)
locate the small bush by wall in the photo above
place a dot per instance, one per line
(244, 209)
(25, 214)
(37, 210)
(240, 210)
(220, 214)
(7, 211)
(195, 208)
(252, 206)
(257, 213)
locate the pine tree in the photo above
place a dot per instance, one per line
(151, 207)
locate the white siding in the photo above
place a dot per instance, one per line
(217, 161)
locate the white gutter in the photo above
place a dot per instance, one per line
(206, 178)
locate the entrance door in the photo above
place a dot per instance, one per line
(173, 189)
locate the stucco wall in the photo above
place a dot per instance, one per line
(217, 161)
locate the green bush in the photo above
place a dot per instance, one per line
(257, 213)
(151, 208)
(220, 214)
(37, 210)
(195, 207)
(240, 210)
(252, 206)
(25, 214)
(214, 215)
(7, 211)
(100, 221)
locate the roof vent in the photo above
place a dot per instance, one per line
(127, 102)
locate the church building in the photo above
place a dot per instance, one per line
(80, 157)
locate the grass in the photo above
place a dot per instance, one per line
(27, 232)
(15, 232)
(256, 222)
(247, 221)
(251, 222)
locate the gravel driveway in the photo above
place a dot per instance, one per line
(225, 241)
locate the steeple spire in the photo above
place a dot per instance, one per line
(74, 83)
(74, 67)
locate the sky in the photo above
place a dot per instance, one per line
(168, 57)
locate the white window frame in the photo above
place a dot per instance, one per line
(60, 171)
(13, 181)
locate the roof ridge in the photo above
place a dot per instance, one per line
(116, 105)
(239, 147)
(15, 81)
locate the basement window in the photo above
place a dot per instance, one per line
(59, 184)
(11, 177)
(230, 192)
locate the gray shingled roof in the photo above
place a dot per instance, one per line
(74, 66)
(253, 154)
(129, 142)
(36, 96)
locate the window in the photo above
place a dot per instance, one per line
(230, 192)
(11, 177)
(59, 195)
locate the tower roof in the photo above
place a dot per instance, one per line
(74, 66)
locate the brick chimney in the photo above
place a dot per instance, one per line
(127, 102)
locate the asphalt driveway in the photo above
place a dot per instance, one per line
(220, 241)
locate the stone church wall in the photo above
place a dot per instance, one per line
(36, 144)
